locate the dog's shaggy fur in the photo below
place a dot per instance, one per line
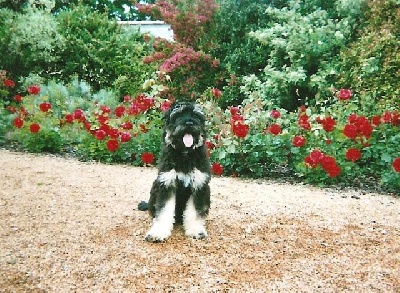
(181, 193)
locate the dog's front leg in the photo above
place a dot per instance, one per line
(194, 216)
(163, 221)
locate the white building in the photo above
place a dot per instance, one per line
(156, 28)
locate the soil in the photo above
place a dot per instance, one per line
(70, 226)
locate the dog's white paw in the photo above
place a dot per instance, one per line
(196, 232)
(157, 236)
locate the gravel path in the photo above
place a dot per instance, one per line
(68, 226)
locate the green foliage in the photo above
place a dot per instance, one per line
(303, 40)
(371, 64)
(98, 51)
(31, 40)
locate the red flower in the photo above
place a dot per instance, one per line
(18, 122)
(353, 154)
(396, 165)
(234, 110)
(387, 117)
(216, 92)
(350, 131)
(328, 124)
(217, 169)
(100, 134)
(34, 128)
(334, 171)
(8, 83)
(79, 115)
(69, 118)
(127, 99)
(127, 125)
(344, 94)
(18, 98)
(275, 114)
(119, 111)
(34, 90)
(147, 158)
(275, 129)
(376, 120)
(45, 106)
(113, 132)
(303, 121)
(165, 106)
(209, 145)
(112, 145)
(298, 141)
(316, 156)
(240, 129)
(125, 136)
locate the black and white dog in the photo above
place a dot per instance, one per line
(181, 192)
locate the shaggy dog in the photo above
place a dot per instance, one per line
(181, 193)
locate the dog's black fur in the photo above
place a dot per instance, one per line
(183, 173)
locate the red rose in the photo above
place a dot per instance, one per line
(165, 106)
(275, 129)
(112, 145)
(352, 118)
(125, 136)
(127, 125)
(147, 158)
(303, 122)
(45, 106)
(34, 128)
(353, 154)
(298, 141)
(217, 169)
(376, 120)
(316, 156)
(240, 129)
(344, 94)
(210, 145)
(8, 83)
(100, 134)
(350, 131)
(18, 98)
(79, 114)
(328, 124)
(34, 90)
(387, 117)
(113, 132)
(216, 92)
(396, 165)
(234, 110)
(334, 171)
(69, 118)
(119, 111)
(127, 99)
(310, 162)
(18, 122)
(275, 114)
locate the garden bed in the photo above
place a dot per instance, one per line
(72, 226)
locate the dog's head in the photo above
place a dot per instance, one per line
(184, 127)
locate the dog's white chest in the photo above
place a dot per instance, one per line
(194, 179)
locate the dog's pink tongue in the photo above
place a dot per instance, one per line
(188, 140)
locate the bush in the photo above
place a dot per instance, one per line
(100, 52)
(31, 42)
(304, 40)
(371, 64)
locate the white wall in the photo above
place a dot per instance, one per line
(155, 28)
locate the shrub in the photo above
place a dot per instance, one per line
(304, 40)
(185, 67)
(32, 43)
(100, 52)
(371, 64)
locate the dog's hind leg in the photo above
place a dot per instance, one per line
(163, 222)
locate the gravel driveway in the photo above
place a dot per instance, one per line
(69, 226)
